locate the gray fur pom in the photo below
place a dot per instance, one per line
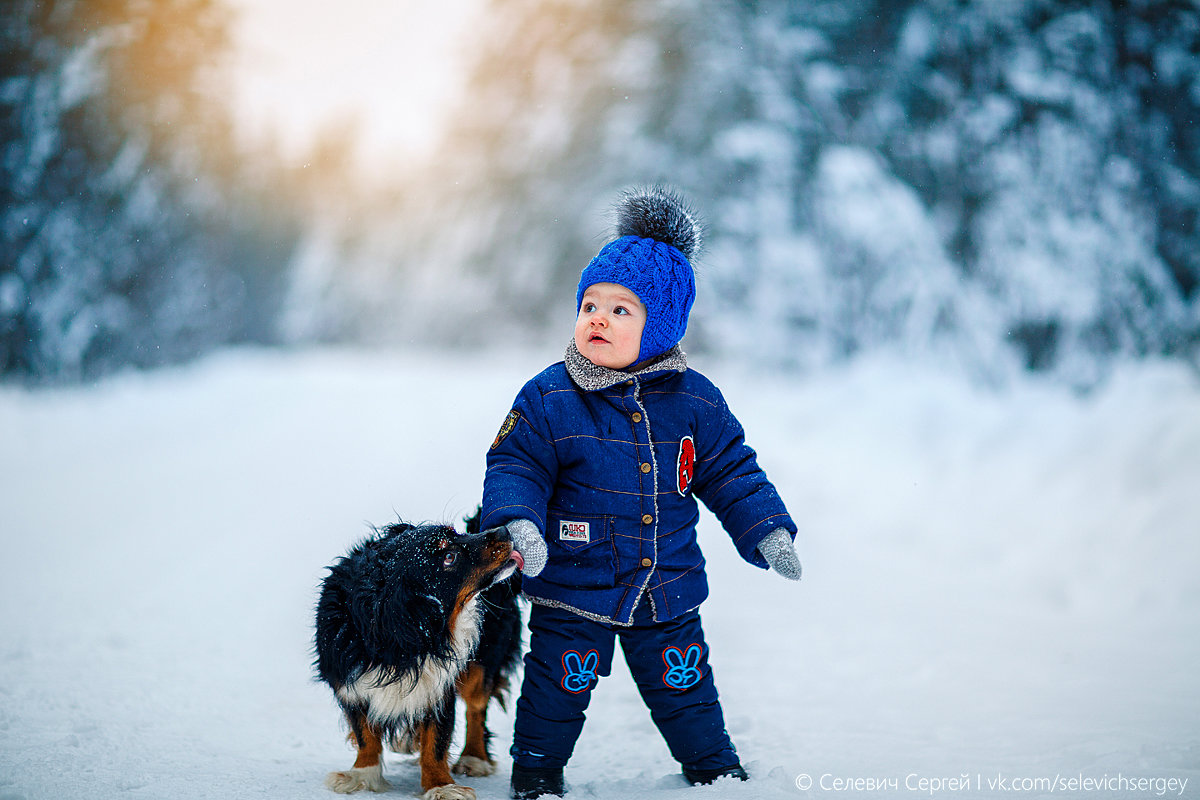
(660, 213)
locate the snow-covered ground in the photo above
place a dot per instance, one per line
(999, 589)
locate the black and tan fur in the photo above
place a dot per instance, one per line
(409, 618)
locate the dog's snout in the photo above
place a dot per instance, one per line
(488, 537)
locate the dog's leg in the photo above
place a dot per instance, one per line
(436, 730)
(367, 772)
(475, 759)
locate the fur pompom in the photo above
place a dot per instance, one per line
(659, 213)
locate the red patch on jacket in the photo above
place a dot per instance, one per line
(685, 468)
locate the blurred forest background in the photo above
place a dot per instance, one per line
(1004, 187)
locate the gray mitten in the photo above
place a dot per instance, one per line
(529, 543)
(780, 553)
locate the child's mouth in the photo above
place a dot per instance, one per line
(595, 337)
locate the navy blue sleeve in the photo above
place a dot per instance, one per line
(733, 486)
(522, 465)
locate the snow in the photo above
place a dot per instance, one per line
(999, 588)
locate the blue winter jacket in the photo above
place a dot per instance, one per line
(608, 465)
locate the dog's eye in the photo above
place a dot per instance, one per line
(450, 559)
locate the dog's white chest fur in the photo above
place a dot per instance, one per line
(406, 700)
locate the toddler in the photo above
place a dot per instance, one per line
(596, 471)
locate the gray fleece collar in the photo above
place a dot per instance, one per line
(591, 378)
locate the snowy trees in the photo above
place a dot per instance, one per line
(1042, 137)
(1013, 185)
(122, 239)
(1005, 185)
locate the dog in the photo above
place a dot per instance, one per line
(409, 618)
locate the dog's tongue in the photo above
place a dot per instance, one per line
(516, 556)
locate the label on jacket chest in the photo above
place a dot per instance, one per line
(574, 531)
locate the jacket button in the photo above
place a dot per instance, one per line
(646, 467)
(647, 519)
(637, 417)
(646, 562)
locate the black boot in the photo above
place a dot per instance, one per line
(703, 777)
(531, 782)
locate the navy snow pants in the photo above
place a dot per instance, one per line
(668, 660)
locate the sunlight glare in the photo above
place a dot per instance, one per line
(386, 70)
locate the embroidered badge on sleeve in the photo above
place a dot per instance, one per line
(506, 428)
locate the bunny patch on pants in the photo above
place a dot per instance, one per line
(568, 654)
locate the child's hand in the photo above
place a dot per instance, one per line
(780, 553)
(530, 544)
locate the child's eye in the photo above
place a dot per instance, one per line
(620, 310)
(589, 307)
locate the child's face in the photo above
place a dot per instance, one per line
(608, 331)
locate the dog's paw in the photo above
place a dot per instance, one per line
(357, 778)
(451, 791)
(475, 767)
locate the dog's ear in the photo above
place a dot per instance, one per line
(404, 623)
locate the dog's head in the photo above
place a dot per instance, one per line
(425, 575)
(436, 561)
(459, 565)
(396, 598)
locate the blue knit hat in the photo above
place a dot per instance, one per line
(658, 233)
